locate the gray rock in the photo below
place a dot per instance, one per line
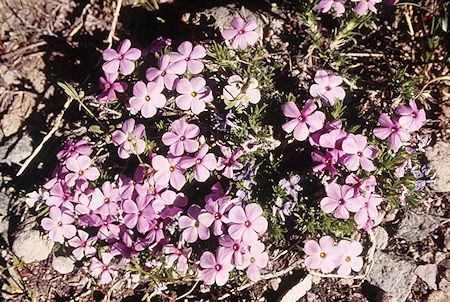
(30, 246)
(4, 218)
(63, 265)
(427, 257)
(393, 275)
(427, 273)
(385, 297)
(381, 237)
(438, 159)
(447, 239)
(438, 296)
(416, 226)
(21, 150)
(444, 285)
(439, 256)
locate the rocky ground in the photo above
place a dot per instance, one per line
(48, 41)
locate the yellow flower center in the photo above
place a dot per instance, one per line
(347, 259)
(147, 98)
(198, 161)
(322, 254)
(193, 94)
(171, 169)
(247, 223)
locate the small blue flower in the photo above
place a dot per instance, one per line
(423, 177)
(282, 209)
(224, 120)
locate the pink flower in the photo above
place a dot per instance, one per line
(122, 58)
(243, 33)
(391, 2)
(255, 259)
(246, 225)
(340, 199)
(325, 161)
(325, 5)
(194, 94)
(195, 225)
(217, 213)
(240, 91)
(216, 269)
(104, 201)
(109, 88)
(235, 246)
(393, 130)
(187, 57)
(156, 45)
(302, 119)
(181, 138)
(368, 213)
(401, 169)
(173, 203)
(83, 245)
(363, 5)
(168, 170)
(177, 253)
(411, 117)
(333, 139)
(322, 255)
(104, 268)
(73, 149)
(327, 87)
(146, 98)
(361, 185)
(59, 195)
(129, 139)
(314, 138)
(358, 153)
(162, 75)
(79, 170)
(349, 259)
(204, 163)
(59, 225)
(229, 163)
(139, 212)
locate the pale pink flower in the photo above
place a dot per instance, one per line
(59, 225)
(326, 162)
(182, 137)
(365, 217)
(173, 203)
(138, 213)
(73, 149)
(314, 138)
(325, 5)
(241, 92)
(177, 253)
(217, 212)
(203, 161)
(322, 255)
(341, 200)
(194, 94)
(105, 200)
(129, 139)
(235, 246)
(229, 162)
(411, 117)
(403, 167)
(243, 34)
(364, 5)
(349, 259)
(193, 226)
(358, 153)
(216, 269)
(162, 74)
(109, 87)
(105, 269)
(302, 119)
(83, 245)
(168, 171)
(122, 58)
(187, 57)
(392, 129)
(146, 98)
(79, 170)
(327, 87)
(254, 259)
(246, 225)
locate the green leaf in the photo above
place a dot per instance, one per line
(68, 89)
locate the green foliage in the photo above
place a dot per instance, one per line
(405, 86)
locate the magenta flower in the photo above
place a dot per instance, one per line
(217, 213)
(108, 230)
(129, 139)
(193, 226)
(364, 5)
(243, 34)
(393, 130)
(358, 153)
(302, 119)
(139, 212)
(391, 2)
(104, 201)
(146, 98)
(236, 247)
(79, 170)
(156, 45)
(340, 199)
(187, 57)
(327, 87)
(246, 225)
(229, 163)
(326, 162)
(168, 170)
(194, 94)
(109, 87)
(365, 217)
(411, 117)
(255, 259)
(59, 225)
(73, 149)
(361, 185)
(83, 245)
(155, 233)
(122, 58)
(314, 138)
(325, 5)
(203, 161)
(349, 259)
(182, 137)
(241, 92)
(323, 255)
(177, 253)
(162, 75)
(59, 195)
(216, 269)
(173, 203)
(104, 268)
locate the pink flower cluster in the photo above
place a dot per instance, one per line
(328, 256)
(361, 8)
